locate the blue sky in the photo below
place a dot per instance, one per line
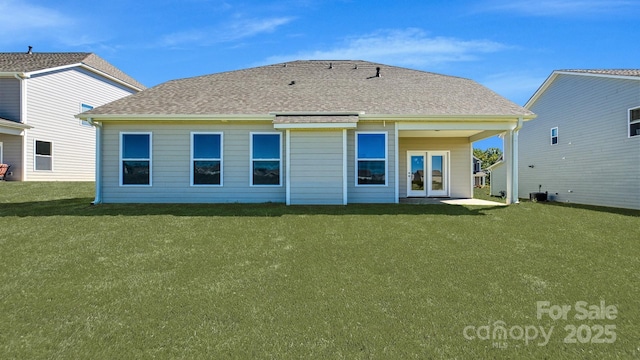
(510, 46)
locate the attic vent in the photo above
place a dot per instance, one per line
(293, 82)
(378, 72)
(330, 65)
(285, 65)
(355, 67)
(30, 51)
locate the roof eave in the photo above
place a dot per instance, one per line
(472, 117)
(174, 117)
(84, 66)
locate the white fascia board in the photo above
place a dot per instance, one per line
(318, 113)
(502, 126)
(173, 117)
(86, 67)
(448, 118)
(316, 126)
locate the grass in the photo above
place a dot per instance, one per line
(270, 281)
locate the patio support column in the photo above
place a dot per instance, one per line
(511, 162)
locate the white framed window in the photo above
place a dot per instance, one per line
(83, 108)
(135, 158)
(266, 159)
(206, 158)
(554, 135)
(43, 155)
(371, 158)
(634, 122)
(1, 153)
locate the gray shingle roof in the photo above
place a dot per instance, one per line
(24, 62)
(317, 86)
(615, 72)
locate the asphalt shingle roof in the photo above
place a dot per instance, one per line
(24, 62)
(616, 72)
(317, 86)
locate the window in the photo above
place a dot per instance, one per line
(83, 108)
(266, 154)
(554, 136)
(135, 158)
(634, 122)
(43, 156)
(206, 158)
(371, 158)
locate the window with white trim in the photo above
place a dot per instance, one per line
(634, 122)
(266, 159)
(135, 158)
(206, 158)
(371, 158)
(83, 108)
(43, 159)
(554, 135)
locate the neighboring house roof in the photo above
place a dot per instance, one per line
(629, 74)
(496, 164)
(25, 63)
(313, 87)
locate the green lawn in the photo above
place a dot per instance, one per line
(269, 281)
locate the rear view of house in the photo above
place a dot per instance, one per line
(304, 132)
(39, 95)
(584, 147)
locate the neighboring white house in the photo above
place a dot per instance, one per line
(479, 176)
(39, 95)
(498, 178)
(304, 132)
(584, 147)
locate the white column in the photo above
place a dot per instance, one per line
(287, 171)
(508, 162)
(344, 168)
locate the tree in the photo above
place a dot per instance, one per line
(488, 157)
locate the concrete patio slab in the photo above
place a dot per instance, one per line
(450, 201)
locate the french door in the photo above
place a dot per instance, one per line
(427, 173)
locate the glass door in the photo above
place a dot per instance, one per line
(438, 174)
(415, 173)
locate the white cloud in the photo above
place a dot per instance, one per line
(21, 21)
(560, 7)
(515, 86)
(409, 47)
(240, 28)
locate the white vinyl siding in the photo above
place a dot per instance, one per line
(596, 163)
(53, 100)
(10, 99)
(316, 172)
(460, 155)
(171, 169)
(634, 122)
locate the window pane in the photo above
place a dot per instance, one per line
(43, 163)
(634, 129)
(43, 148)
(266, 173)
(135, 146)
(135, 172)
(635, 115)
(554, 140)
(266, 146)
(206, 172)
(206, 146)
(371, 172)
(371, 146)
(554, 132)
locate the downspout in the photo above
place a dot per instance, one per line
(23, 119)
(98, 126)
(514, 151)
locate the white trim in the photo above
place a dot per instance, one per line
(386, 157)
(24, 119)
(83, 66)
(464, 126)
(251, 157)
(150, 159)
(448, 118)
(345, 177)
(35, 155)
(396, 159)
(551, 136)
(1, 153)
(192, 159)
(287, 169)
(629, 123)
(352, 125)
(98, 167)
(172, 117)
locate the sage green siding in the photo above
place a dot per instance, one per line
(171, 146)
(316, 173)
(460, 161)
(595, 161)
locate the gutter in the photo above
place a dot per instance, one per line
(98, 126)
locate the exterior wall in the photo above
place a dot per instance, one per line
(12, 155)
(171, 146)
(498, 179)
(461, 172)
(52, 101)
(371, 193)
(10, 99)
(316, 172)
(594, 161)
